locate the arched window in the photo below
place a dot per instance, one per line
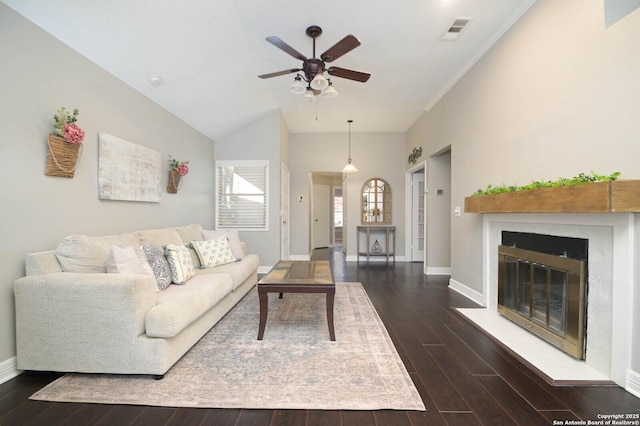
(376, 201)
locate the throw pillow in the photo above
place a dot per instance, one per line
(83, 253)
(234, 240)
(214, 252)
(159, 266)
(127, 261)
(180, 263)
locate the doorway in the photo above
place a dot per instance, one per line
(321, 215)
(324, 229)
(418, 231)
(338, 216)
(433, 223)
(285, 213)
(439, 212)
(415, 213)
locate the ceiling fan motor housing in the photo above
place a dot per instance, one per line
(312, 67)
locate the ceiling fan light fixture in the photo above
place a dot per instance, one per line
(329, 92)
(319, 82)
(308, 95)
(297, 88)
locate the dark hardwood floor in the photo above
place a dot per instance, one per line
(463, 376)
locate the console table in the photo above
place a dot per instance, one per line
(388, 233)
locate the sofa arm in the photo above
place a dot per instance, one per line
(68, 321)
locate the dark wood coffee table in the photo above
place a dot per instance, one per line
(290, 276)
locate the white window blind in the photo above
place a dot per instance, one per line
(241, 195)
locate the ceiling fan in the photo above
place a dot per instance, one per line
(314, 68)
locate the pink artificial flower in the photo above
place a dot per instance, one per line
(183, 169)
(73, 133)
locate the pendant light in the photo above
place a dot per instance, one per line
(349, 168)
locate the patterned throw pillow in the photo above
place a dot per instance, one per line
(159, 266)
(214, 252)
(233, 237)
(180, 263)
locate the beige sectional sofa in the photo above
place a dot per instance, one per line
(74, 316)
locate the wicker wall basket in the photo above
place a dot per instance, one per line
(174, 182)
(62, 157)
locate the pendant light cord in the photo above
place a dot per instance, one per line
(349, 121)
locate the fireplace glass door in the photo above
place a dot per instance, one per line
(544, 294)
(558, 282)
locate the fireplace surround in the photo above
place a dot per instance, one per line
(614, 244)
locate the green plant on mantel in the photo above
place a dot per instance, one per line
(580, 179)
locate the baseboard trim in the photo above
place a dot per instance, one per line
(264, 269)
(467, 292)
(633, 383)
(438, 270)
(299, 257)
(376, 259)
(8, 370)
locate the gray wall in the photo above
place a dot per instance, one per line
(553, 98)
(438, 219)
(37, 75)
(375, 154)
(267, 138)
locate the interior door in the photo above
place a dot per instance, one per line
(321, 215)
(285, 213)
(418, 217)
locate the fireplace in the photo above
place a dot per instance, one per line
(542, 286)
(612, 305)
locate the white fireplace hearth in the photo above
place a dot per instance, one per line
(613, 269)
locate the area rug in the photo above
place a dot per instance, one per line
(295, 366)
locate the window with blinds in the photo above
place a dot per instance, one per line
(241, 195)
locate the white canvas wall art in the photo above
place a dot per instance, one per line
(127, 171)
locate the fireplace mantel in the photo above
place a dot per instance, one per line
(619, 196)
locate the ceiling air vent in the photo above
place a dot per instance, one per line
(455, 29)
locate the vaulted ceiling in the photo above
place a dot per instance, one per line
(208, 54)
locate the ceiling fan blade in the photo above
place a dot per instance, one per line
(340, 48)
(284, 46)
(350, 74)
(279, 73)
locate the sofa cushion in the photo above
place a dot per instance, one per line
(180, 263)
(159, 237)
(234, 240)
(159, 266)
(43, 262)
(190, 233)
(82, 253)
(239, 271)
(213, 252)
(179, 306)
(128, 260)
